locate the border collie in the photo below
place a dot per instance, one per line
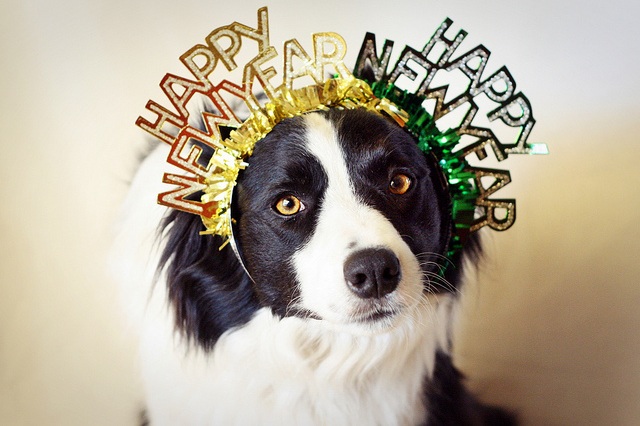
(338, 313)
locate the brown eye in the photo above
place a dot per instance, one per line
(289, 205)
(400, 184)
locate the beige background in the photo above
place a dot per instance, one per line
(552, 327)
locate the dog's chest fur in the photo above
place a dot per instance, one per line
(286, 372)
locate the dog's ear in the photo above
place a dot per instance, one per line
(472, 245)
(367, 73)
(208, 288)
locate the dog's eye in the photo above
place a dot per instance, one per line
(400, 184)
(289, 205)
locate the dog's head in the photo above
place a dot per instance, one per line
(339, 218)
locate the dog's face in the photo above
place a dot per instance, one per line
(341, 218)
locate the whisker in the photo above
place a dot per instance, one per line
(437, 281)
(438, 256)
(433, 266)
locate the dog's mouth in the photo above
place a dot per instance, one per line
(374, 315)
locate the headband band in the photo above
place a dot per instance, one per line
(405, 92)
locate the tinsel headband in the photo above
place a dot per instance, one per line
(404, 92)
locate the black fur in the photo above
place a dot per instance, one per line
(376, 149)
(208, 287)
(450, 404)
(279, 166)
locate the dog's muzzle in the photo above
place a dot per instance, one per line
(372, 272)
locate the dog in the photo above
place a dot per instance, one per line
(337, 306)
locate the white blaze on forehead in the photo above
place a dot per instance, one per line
(344, 224)
(322, 142)
(342, 209)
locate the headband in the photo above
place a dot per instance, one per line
(406, 92)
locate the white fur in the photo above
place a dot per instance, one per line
(294, 372)
(289, 371)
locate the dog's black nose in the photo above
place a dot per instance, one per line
(373, 272)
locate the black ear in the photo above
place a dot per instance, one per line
(370, 66)
(208, 288)
(472, 244)
(367, 73)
